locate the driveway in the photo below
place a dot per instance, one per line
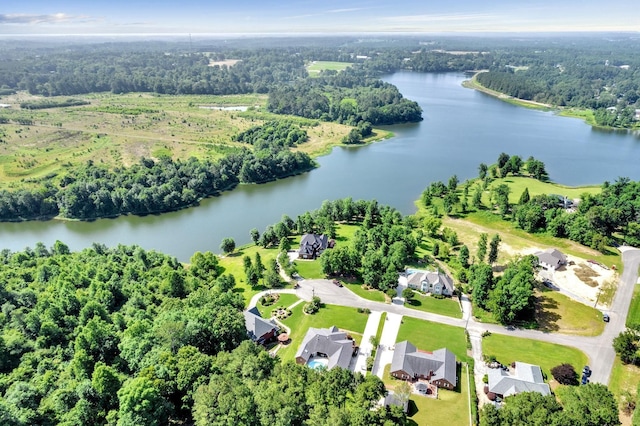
(365, 345)
(387, 343)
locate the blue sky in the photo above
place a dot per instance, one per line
(329, 16)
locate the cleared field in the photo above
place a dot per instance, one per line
(117, 130)
(557, 313)
(517, 184)
(314, 68)
(508, 349)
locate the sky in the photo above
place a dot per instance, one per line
(314, 16)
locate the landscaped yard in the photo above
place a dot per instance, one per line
(547, 355)
(559, 313)
(285, 300)
(449, 306)
(309, 269)
(345, 318)
(356, 287)
(429, 336)
(451, 408)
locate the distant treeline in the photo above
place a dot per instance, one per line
(94, 191)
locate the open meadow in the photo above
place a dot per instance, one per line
(117, 130)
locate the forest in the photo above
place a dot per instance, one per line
(127, 336)
(151, 186)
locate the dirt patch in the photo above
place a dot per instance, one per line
(586, 275)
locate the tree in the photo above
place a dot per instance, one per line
(453, 183)
(626, 346)
(589, 405)
(502, 159)
(526, 408)
(228, 245)
(481, 282)
(255, 235)
(408, 295)
(565, 374)
(512, 296)
(285, 244)
(463, 256)
(476, 200)
(493, 249)
(482, 247)
(142, 404)
(482, 171)
(432, 225)
(524, 198)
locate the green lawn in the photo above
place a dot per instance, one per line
(517, 184)
(559, 313)
(315, 67)
(344, 318)
(232, 264)
(356, 287)
(284, 301)
(634, 309)
(449, 306)
(309, 269)
(429, 336)
(623, 378)
(547, 355)
(451, 408)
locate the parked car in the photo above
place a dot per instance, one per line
(586, 371)
(605, 317)
(584, 380)
(337, 282)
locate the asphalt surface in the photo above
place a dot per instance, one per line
(598, 349)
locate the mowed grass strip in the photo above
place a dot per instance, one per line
(558, 313)
(345, 318)
(508, 349)
(634, 310)
(448, 306)
(314, 68)
(430, 336)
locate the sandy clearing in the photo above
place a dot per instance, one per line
(227, 62)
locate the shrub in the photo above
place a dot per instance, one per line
(486, 333)
(485, 378)
(565, 374)
(370, 362)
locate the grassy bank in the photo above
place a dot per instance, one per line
(474, 84)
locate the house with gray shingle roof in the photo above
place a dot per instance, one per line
(551, 259)
(435, 282)
(259, 329)
(329, 343)
(437, 367)
(526, 378)
(312, 245)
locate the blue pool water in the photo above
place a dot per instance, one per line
(318, 363)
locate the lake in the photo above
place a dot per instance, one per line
(461, 129)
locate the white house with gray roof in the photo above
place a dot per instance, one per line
(435, 282)
(551, 259)
(437, 367)
(526, 378)
(329, 343)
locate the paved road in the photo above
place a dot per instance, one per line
(598, 349)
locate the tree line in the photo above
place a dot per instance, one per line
(150, 186)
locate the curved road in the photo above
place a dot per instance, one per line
(599, 349)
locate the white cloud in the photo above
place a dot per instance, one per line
(32, 19)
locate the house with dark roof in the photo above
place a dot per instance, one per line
(551, 259)
(312, 245)
(329, 343)
(437, 367)
(435, 282)
(259, 330)
(525, 378)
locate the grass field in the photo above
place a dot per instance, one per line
(314, 68)
(558, 313)
(342, 317)
(623, 378)
(309, 269)
(117, 130)
(547, 355)
(517, 185)
(284, 301)
(232, 264)
(430, 336)
(634, 309)
(449, 306)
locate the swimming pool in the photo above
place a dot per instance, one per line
(317, 363)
